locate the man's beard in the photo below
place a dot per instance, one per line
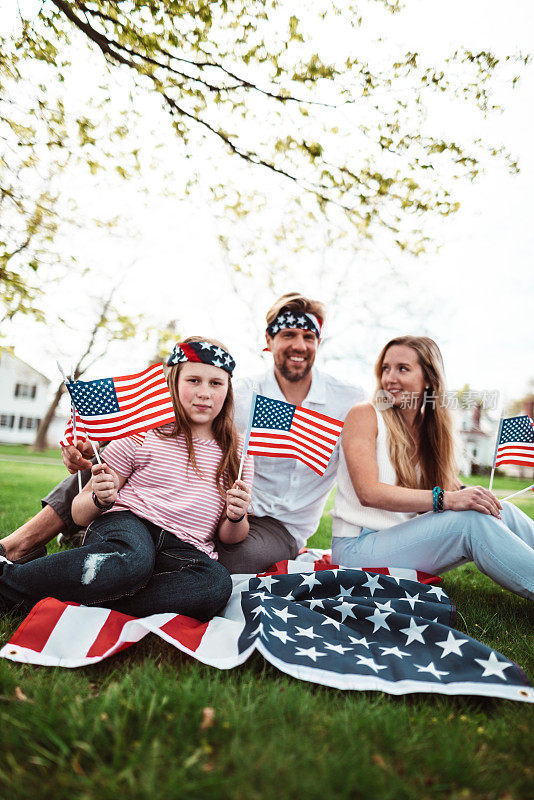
(289, 373)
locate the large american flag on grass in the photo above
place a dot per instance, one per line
(281, 430)
(383, 630)
(111, 408)
(515, 442)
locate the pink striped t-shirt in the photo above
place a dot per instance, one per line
(163, 487)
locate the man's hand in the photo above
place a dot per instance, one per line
(237, 500)
(75, 458)
(105, 483)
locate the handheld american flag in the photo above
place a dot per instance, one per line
(111, 408)
(282, 430)
(515, 442)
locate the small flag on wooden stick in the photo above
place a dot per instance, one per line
(112, 408)
(281, 430)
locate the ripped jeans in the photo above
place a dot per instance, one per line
(126, 563)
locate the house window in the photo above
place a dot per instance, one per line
(25, 390)
(7, 420)
(27, 423)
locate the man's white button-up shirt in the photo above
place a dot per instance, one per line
(285, 488)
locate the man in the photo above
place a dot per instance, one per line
(287, 496)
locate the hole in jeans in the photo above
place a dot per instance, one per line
(92, 564)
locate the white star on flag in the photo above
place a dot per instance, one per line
(373, 584)
(314, 603)
(282, 635)
(267, 582)
(385, 606)
(431, 669)
(307, 632)
(369, 662)
(283, 613)
(311, 652)
(412, 599)
(438, 591)
(261, 595)
(337, 648)
(493, 666)
(378, 618)
(414, 632)
(345, 609)
(310, 581)
(330, 621)
(345, 592)
(393, 651)
(363, 641)
(260, 610)
(451, 645)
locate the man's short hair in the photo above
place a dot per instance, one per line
(296, 302)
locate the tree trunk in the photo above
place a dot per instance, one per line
(40, 442)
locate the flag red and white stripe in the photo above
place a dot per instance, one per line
(71, 434)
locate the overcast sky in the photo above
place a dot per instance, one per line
(478, 288)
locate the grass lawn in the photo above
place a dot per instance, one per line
(26, 451)
(132, 725)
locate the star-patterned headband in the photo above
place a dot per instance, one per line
(203, 353)
(288, 319)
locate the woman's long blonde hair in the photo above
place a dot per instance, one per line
(224, 430)
(436, 453)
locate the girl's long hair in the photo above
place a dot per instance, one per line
(436, 453)
(224, 430)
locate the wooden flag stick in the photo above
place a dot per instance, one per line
(247, 435)
(95, 451)
(74, 430)
(521, 491)
(496, 448)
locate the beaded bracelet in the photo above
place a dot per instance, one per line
(440, 500)
(435, 495)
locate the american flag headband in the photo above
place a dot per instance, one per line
(201, 353)
(288, 319)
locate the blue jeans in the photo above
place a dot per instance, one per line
(435, 543)
(128, 564)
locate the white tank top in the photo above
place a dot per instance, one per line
(349, 516)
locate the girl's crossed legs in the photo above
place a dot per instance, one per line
(125, 563)
(436, 543)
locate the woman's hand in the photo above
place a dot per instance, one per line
(472, 498)
(76, 458)
(237, 500)
(105, 483)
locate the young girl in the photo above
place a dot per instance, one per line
(154, 508)
(397, 461)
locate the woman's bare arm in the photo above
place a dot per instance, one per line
(358, 440)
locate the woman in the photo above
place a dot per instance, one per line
(397, 462)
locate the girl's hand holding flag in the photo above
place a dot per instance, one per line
(234, 526)
(105, 483)
(238, 499)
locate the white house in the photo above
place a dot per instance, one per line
(477, 436)
(24, 398)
